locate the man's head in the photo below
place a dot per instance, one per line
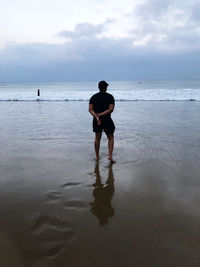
(103, 86)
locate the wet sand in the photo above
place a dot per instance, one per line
(59, 207)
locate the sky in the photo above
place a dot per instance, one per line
(90, 40)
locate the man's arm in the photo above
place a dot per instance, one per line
(107, 111)
(91, 110)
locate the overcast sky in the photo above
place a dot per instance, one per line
(89, 40)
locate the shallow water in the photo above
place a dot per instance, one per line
(59, 208)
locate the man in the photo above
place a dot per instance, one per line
(101, 106)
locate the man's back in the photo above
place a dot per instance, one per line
(101, 102)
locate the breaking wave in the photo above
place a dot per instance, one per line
(86, 100)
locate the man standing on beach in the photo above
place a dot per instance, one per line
(101, 106)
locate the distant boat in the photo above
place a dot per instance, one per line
(139, 82)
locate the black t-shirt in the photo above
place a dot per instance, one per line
(101, 102)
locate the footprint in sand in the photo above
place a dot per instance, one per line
(69, 185)
(51, 235)
(54, 221)
(52, 196)
(76, 204)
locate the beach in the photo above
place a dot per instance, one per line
(59, 207)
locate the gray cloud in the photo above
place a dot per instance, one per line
(152, 9)
(170, 24)
(93, 59)
(83, 30)
(195, 14)
(38, 53)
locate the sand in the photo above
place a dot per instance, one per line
(59, 207)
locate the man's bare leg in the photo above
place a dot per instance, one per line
(97, 143)
(110, 146)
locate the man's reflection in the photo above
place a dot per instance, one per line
(103, 193)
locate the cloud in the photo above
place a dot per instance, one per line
(169, 25)
(152, 9)
(162, 42)
(83, 30)
(195, 14)
(93, 59)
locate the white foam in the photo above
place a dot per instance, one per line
(122, 91)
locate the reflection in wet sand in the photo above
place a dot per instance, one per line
(103, 193)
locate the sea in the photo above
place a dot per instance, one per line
(176, 90)
(60, 207)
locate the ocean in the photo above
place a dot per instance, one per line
(60, 207)
(122, 91)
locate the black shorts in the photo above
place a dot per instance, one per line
(107, 125)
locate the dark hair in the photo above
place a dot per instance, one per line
(102, 85)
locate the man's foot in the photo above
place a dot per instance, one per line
(111, 159)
